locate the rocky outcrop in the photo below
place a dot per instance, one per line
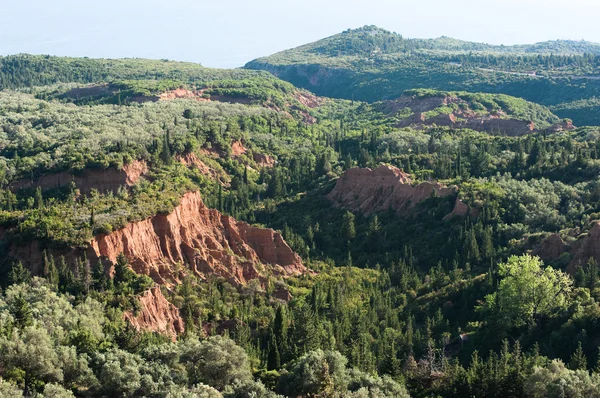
(191, 239)
(387, 187)
(308, 99)
(564, 125)
(460, 117)
(104, 180)
(196, 239)
(156, 314)
(586, 247)
(550, 248)
(282, 294)
(461, 209)
(238, 149)
(263, 160)
(190, 159)
(182, 93)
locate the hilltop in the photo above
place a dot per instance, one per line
(372, 64)
(370, 41)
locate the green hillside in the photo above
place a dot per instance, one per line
(371, 64)
(26, 70)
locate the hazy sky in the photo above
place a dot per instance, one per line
(228, 33)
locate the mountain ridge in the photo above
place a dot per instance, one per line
(372, 64)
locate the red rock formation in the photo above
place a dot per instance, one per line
(282, 294)
(308, 99)
(263, 160)
(565, 125)
(384, 188)
(190, 159)
(182, 93)
(460, 210)
(238, 149)
(586, 247)
(103, 180)
(203, 241)
(443, 120)
(156, 315)
(551, 248)
(462, 117)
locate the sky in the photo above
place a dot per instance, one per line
(229, 33)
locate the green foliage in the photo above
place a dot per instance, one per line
(402, 309)
(372, 64)
(527, 292)
(558, 381)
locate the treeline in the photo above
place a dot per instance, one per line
(23, 70)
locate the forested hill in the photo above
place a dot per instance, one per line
(24, 70)
(371, 64)
(371, 39)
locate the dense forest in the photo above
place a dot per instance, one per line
(466, 268)
(372, 64)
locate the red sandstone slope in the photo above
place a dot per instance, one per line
(586, 247)
(386, 187)
(581, 250)
(156, 314)
(203, 241)
(461, 117)
(192, 238)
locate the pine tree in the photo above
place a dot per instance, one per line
(348, 227)
(349, 259)
(123, 274)
(280, 329)
(21, 310)
(487, 245)
(578, 360)
(592, 273)
(597, 368)
(19, 274)
(85, 274)
(471, 248)
(92, 218)
(220, 199)
(9, 200)
(391, 364)
(99, 277)
(65, 276)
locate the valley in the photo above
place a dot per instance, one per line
(356, 217)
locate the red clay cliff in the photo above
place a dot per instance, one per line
(386, 187)
(200, 240)
(156, 314)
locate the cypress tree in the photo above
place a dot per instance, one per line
(50, 271)
(165, 155)
(39, 198)
(273, 356)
